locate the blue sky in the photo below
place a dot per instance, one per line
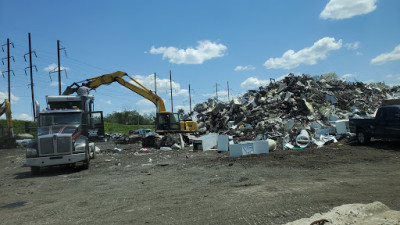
(204, 43)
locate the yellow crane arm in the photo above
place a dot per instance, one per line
(5, 108)
(95, 82)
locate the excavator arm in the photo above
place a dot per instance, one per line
(165, 121)
(106, 79)
(5, 108)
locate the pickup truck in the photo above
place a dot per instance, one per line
(385, 125)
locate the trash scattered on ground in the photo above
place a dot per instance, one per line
(132, 137)
(205, 142)
(116, 150)
(166, 148)
(97, 149)
(23, 142)
(223, 143)
(248, 148)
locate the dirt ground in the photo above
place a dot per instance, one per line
(186, 187)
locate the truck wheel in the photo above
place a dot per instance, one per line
(86, 162)
(85, 165)
(362, 138)
(35, 170)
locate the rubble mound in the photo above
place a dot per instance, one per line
(284, 108)
(367, 214)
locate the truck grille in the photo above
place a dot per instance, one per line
(64, 144)
(55, 144)
(46, 145)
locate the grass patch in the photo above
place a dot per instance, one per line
(19, 126)
(122, 128)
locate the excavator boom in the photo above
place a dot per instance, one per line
(165, 121)
(106, 79)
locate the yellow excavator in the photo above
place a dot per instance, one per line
(7, 140)
(166, 122)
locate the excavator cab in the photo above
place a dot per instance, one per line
(167, 121)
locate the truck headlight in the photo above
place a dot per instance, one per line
(31, 152)
(80, 147)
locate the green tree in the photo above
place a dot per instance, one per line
(129, 117)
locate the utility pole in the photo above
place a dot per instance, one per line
(59, 66)
(31, 72)
(227, 83)
(170, 84)
(8, 67)
(190, 101)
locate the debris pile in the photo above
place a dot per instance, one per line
(295, 106)
(133, 136)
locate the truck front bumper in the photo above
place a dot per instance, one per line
(55, 160)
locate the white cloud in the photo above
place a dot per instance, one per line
(205, 50)
(359, 53)
(163, 85)
(22, 116)
(54, 67)
(386, 57)
(144, 102)
(253, 82)
(309, 55)
(4, 95)
(151, 111)
(186, 108)
(344, 9)
(55, 83)
(393, 76)
(108, 102)
(242, 68)
(348, 75)
(353, 46)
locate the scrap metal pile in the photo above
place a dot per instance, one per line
(285, 109)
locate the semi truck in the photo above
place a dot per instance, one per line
(66, 130)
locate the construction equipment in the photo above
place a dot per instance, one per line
(166, 122)
(7, 139)
(66, 129)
